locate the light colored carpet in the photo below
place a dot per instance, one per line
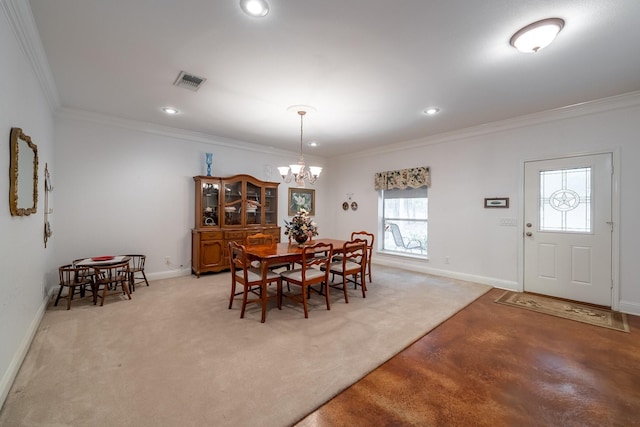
(174, 355)
(567, 310)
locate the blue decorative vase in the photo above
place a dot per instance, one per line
(209, 160)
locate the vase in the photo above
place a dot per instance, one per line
(301, 239)
(208, 161)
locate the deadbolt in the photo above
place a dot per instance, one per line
(529, 234)
(528, 224)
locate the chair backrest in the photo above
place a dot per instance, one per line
(354, 251)
(259, 239)
(367, 237)
(397, 236)
(238, 261)
(310, 260)
(71, 275)
(137, 261)
(112, 273)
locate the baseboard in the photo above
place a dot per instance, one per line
(630, 307)
(14, 367)
(169, 274)
(423, 268)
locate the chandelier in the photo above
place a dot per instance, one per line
(300, 173)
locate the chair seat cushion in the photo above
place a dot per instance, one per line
(255, 275)
(296, 274)
(336, 267)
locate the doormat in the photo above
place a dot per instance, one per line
(567, 310)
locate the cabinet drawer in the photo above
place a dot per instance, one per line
(211, 235)
(235, 235)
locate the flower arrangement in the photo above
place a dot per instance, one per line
(301, 227)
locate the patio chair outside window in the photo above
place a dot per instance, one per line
(404, 242)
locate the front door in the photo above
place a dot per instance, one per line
(568, 228)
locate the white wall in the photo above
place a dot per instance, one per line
(123, 187)
(25, 265)
(469, 165)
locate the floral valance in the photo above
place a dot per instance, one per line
(403, 178)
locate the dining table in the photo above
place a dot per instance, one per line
(101, 261)
(286, 252)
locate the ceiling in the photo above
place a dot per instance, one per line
(368, 67)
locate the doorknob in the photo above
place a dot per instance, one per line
(529, 234)
(528, 224)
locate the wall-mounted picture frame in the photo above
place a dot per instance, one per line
(496, 202)
(301, 198)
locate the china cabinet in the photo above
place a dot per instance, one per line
(228, 209)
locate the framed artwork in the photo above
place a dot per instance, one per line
(302, 198)
(496, 202)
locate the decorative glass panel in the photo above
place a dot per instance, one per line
(565, 200)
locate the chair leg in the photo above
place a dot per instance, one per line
(244, 300)
(69, 296)
(145, 278)
(125, 287)
(344, 288)
(304, 301)
(263, 300)
(58, 297)
(279, 294)
(233, 292)
(326, 295)
(132, 281)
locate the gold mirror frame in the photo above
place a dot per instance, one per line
(21, 141)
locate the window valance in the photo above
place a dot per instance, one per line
(403, 178)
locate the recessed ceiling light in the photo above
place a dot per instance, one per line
(537, 36)
(255, 8)
(431, 111)
(170, 110)
(312, 143)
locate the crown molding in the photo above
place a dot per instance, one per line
(613, 103)
(166, 131)
(20, 17)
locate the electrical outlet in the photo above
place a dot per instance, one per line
(446, 260)
(167, 260)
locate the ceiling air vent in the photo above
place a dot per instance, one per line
(189, 81)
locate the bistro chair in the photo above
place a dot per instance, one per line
(109, 277)
(136, 271)
(314, 270)
(75, 279)
(352, 263)
(253, 280)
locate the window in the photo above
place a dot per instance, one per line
(404, 220)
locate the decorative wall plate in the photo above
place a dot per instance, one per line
(354, 206)
(345, 206)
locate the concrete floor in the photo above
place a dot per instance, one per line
(494, 365)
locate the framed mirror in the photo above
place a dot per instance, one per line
(23, 174)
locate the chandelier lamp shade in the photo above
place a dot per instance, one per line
(300, 173)
(537, 36)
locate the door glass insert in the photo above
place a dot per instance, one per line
(565, 200)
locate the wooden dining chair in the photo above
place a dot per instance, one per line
(253, 280)
(109, 278)
(136, 271)
(261, 239)
(313, 271)
(351, 265)
(75, 279)
(369, 238)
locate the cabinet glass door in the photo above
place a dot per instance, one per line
(210, 193)
(270, 206)
(253, 206)
(233, 203)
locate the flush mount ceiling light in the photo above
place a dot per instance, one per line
(431, 111)
(300, 173)
(536, 36)
(170, 110)
(255, 8)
